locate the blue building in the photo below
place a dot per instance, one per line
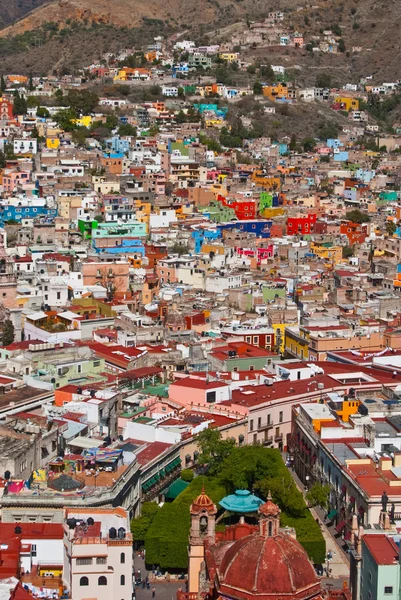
(17, 213)
(118, 145)
(261, 228)
(204, 235)
(127, 246)
(333, 143)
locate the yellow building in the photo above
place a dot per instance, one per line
(229, 56)
(270, 213)
(268, 182)
(85, 121)
(52, 143)
(214, 122)
(296, 342)
(347, 103)
(333, 254)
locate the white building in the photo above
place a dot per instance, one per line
(170, 91)
(25, 146)
(98, 553)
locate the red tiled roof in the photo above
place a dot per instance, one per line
(382, 547)
(150, 451)
(200, 384)
(32, 531)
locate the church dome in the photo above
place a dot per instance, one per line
(265, 567)
(203, 502)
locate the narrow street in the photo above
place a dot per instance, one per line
(164, 590)
(339, 563)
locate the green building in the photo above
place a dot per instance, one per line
(218, 213)
(379, 574)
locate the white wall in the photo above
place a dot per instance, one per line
(148, 433)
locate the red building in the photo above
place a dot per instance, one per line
(301, 225)
(355, 232)
(245, 209)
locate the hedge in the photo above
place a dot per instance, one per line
(166, 541)
(309, 535)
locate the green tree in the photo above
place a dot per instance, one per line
(19, 106)
(64, 119)
(79, 136)
(318, 495)
(181, 92)
(391, 227)
(31, 87)
(82, 101)
(141, 524)
(323, 80)
(293, 142)
(8, 333)
(42, 112)
(309, 144)
(257, 88)
(266, 71)
(187, 475)
(127, 129)
(341, 45)
(348, 251)
(213, 449)
(357, 216)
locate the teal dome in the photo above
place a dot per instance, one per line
(241, 502)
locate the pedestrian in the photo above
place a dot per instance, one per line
(153, 592)
(146, 579)
(139, 574)
(143, 584)
(153, 569)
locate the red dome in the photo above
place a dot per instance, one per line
(267, 567)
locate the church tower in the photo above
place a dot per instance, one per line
(203, 521)
(269, 519)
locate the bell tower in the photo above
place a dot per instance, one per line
(269, 519)
(203, 520)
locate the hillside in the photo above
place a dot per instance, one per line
(12, 10)
(70, 33)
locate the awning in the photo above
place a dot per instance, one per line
(85, 443)
(332, 514)
(176, 488)
(340, 526)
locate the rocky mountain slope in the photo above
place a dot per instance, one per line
(71, 33)
(12, 10)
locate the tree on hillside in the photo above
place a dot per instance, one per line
(391, 227)
(82, 101)
(357, 216)
(19, 106)
(8, 333)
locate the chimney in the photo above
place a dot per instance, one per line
(385, 463)
(397, 459)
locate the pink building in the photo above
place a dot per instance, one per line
(191, 392)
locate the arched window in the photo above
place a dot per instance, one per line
(84, 581)
(122, 558)
(122, 579)
(102, 580)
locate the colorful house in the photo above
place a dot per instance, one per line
(301, 225)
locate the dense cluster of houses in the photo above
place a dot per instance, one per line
(153, 285)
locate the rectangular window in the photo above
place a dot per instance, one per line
(268, 419)
(280, 416)
(211, 397)
(259, 422)
(251, 425)
(84, 561)
(255, 339)
(96, 363)
(101, 560)
(388, 589)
